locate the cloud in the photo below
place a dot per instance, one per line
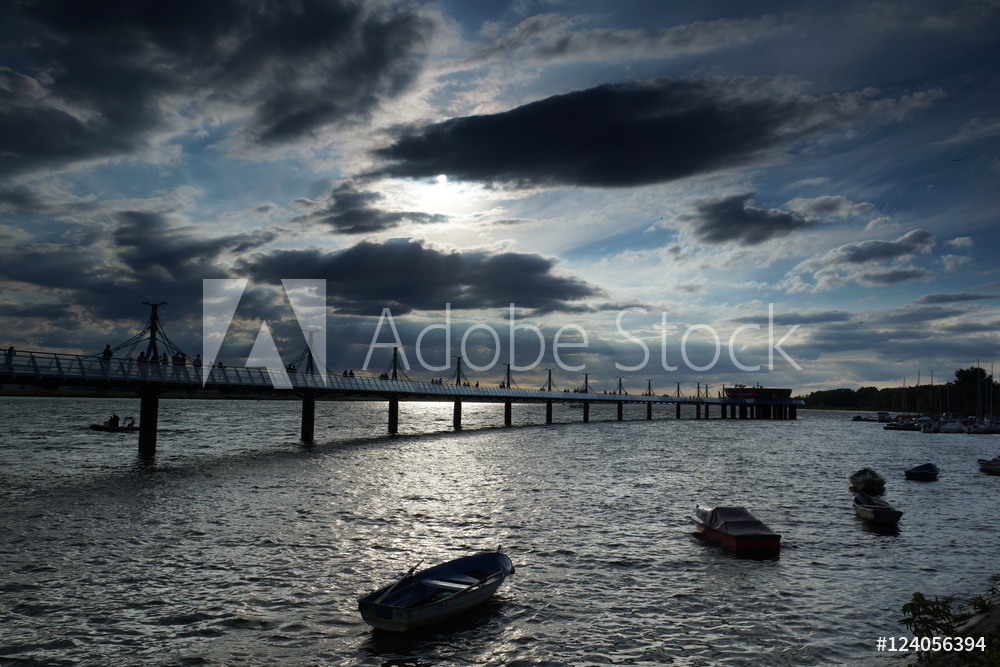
(629, 134)
(137, 256)
(99, 80)
(147, 244)
(960, 242)
(856, 262)
(829, 206)
(352, 211)
(956, 297)
(403, 275)
(809, 182)
(550, 38)
(891, 276)
(953, 262)
(860, 252)
(732, 220)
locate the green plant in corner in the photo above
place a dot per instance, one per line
(928, 618)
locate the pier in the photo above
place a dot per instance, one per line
(151, 375)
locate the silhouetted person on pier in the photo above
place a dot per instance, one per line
(197, 361)
(107, 354)
(142, 358)
(8, 356)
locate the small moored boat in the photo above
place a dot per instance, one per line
(928, 472)
(736, 528)
(876, 511)
(114, 429)
(991, 466)
(868, 480)
(436, 593)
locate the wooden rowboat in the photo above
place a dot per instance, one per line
(876, 511)
(991, 466)
(868, 480)
(436, 593)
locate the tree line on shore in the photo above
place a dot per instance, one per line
(973, 392)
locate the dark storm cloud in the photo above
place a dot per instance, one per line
(353, 211)
(627, 134)
(403, 275)
(732, 219)
(92, 79)
(148, 258)
(46, 311)
(147, 244)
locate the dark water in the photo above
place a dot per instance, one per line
(241, 546)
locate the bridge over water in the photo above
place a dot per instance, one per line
(151, 379)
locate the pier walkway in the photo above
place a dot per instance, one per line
(150, 380)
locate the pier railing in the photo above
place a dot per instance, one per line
(53, 369)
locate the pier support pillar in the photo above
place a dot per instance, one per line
(456, 420)
(697, 411)
(792, 414)
(620, 407)
(548, 412)
(649, 410)
(308, 418)
(507, 416)
(678, 410)
(586, 411)
(149, 411)
(393, 415)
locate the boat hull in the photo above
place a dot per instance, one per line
(753, 539)
(876, 511)
(990, 466)
(927, 472)
(436, 594)
(113, 429)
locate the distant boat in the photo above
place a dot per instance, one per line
(737, 529)
(991, 466)
(928, 472)
(126, 425)
(904, 424)
(436, 593)
(868, 480)
(876, 511)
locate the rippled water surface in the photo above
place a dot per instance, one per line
(239, 545)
